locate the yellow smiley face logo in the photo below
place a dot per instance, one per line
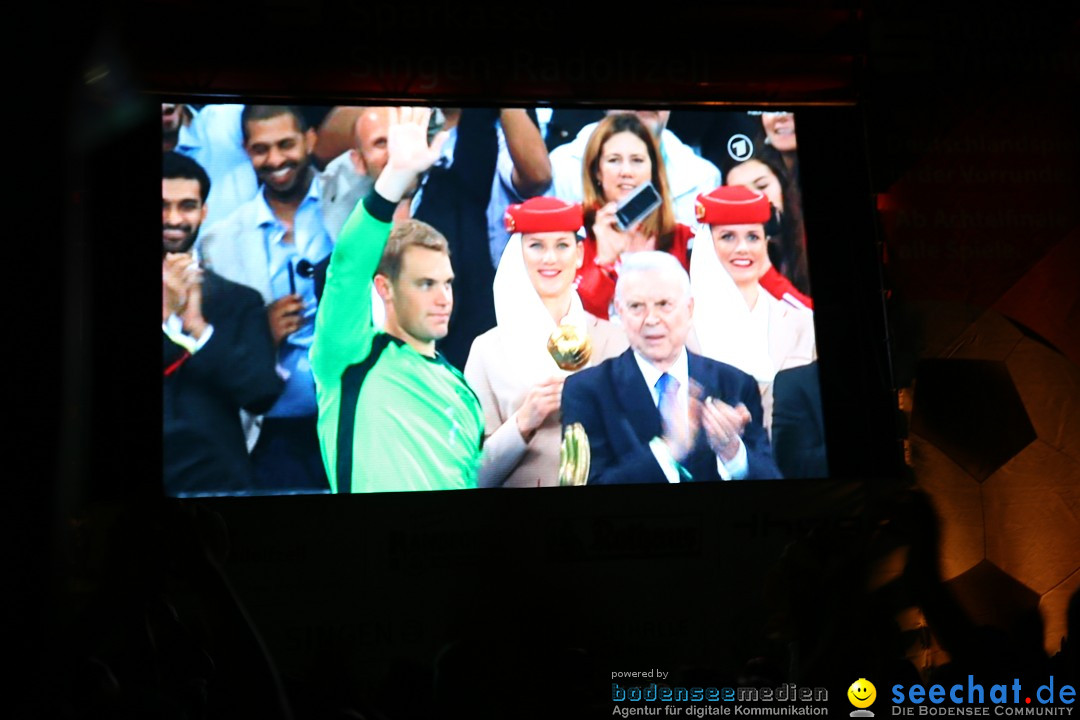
(862, 693)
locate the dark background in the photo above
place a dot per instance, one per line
(970, 157)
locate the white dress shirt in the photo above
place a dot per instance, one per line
(734, 469)
(174, 329)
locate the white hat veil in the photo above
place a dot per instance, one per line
(524, 321)
(722, 319)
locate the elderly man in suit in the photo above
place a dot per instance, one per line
(658, 413)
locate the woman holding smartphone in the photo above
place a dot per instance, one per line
(622, 155)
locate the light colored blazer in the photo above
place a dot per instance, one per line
(508, 460)
(791, 344)
(235, 248)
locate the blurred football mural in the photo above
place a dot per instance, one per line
(995, 441)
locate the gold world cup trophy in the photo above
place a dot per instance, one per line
(571, 350)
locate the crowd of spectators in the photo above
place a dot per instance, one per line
(269, 190)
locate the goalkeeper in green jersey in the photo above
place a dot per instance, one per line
(393, 414)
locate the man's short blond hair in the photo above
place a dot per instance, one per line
(411, 233)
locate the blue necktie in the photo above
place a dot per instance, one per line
(668, 405)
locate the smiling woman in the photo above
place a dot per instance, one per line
(779, 130)
(741, 249)
(736, 320)
(767, 173)
(509, 367)
(620, 156)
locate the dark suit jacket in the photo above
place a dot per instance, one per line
(204, 445)
(798, 428)
(455, 201)
(615, 406)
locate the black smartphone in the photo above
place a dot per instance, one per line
(636, 206)
(435, 124)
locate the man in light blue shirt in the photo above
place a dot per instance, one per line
(272, 243)
(213, 138)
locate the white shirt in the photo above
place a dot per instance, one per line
(174, 329)
(734, 469)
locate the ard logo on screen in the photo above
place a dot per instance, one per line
(740, 147)
(973, 698)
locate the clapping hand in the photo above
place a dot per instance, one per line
(681, 428)
(724, 426)
(175, 270)
(611, 242)
(408, 151)
(181, 292)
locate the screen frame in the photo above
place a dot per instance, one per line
(862, 439)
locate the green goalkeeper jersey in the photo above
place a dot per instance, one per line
(390, 418)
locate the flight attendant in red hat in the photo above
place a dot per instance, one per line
(510, 368)
(736, 320)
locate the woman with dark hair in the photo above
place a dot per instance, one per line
(787, 252)
(620, 156)
(779, 129)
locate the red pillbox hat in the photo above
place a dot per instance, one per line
(733, 205)
(543, 214)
